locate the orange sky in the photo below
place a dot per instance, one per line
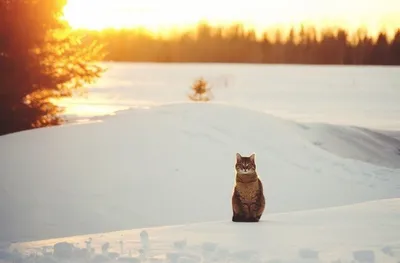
(157, 15)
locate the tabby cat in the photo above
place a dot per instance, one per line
(248, 201)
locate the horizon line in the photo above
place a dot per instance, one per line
(285, 28)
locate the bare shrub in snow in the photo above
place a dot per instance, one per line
(201, 90)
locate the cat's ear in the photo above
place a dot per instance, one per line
(238, 157)
(252, 157)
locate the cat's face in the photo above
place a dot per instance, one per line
(245, 165)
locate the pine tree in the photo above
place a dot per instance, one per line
(41, 60)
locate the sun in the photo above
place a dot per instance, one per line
(154, 15)
(162, 15)
(157, 15)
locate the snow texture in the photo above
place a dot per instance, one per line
(161, 178)
(344, 95)
(365, 232)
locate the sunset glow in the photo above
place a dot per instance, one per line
(160, 15)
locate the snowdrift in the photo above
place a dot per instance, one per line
(171, 164)
(365, 232)
(356, 143)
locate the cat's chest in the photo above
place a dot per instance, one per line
(247, 191)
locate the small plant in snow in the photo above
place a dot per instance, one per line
(105, 247)
(121, 246)
(201, 90)
(88, 243)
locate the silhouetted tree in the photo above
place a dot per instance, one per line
(39, 63)
(380, 51)
(395, 49)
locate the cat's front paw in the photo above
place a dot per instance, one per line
(238, 218)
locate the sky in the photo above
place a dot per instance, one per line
(157, 15)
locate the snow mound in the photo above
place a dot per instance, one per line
(171, 164)
(393, 134)
(365, 232)
(356, 143)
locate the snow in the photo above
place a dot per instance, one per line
(161, 176)
(368, 230)
(356, 143)
(345, 95)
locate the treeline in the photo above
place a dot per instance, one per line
(237, 45)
